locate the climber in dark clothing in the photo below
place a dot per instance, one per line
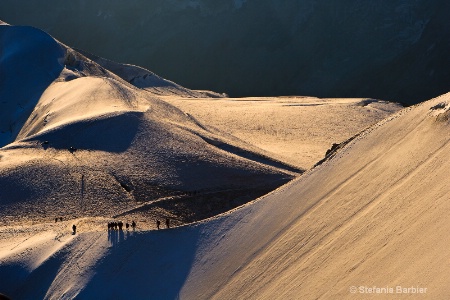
(167, 222)
(158, 223)
(74, 228)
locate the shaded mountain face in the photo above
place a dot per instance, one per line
(392, 50)
(22, 81)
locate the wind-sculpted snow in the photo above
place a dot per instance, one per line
(390, 49)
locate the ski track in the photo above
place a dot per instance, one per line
(80, 263)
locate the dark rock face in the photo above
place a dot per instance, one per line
(388, 49)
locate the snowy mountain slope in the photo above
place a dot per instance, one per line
(296, 130)
(93, 146)
(86, 142)
(95, 263)
(375, 214)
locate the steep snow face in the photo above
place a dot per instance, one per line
(374, 214)
(29, 61)
(392, 50)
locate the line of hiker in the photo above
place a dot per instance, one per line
(158, 223)
(119, 225)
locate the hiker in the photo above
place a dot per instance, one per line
(60, 218)
(74, 228)
(127, 225)
(109, 226)
(167, 222)
(158, 223)
(56, 220)
(133, 224)
(115, 225)
(120, 225)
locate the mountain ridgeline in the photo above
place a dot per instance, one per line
(78, 139)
